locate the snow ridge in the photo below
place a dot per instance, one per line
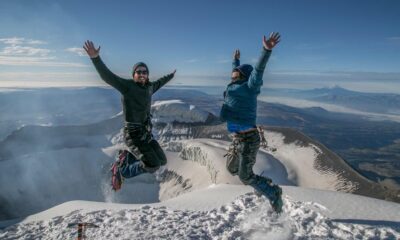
(172, 185)
(177, 110)
(247, 217)
(301, 162)
(171, 133)
(197, 154)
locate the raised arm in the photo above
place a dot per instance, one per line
(255, 80)
(236, 59)
(162, 81)
(105, 74)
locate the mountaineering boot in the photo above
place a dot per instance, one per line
(272, 191)
(277, 203)
(117, 178)
(120, 168)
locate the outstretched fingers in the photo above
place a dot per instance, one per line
(91, 45)
(90, 49)
(272, 41)
(86, 46)
(236, 54)
(277, 37)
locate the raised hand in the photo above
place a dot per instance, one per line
(272, 41)
(173, 73)
(236, 54)
(91, 50)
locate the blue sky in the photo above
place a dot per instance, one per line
(355, 44)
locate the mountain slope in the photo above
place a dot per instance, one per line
(193, 196)
(78, 157)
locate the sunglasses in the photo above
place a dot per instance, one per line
(141, 72)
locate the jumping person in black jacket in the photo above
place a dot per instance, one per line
(145, 151)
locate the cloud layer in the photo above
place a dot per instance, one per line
(18, 51)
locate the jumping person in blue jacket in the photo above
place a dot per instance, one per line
(240, 112)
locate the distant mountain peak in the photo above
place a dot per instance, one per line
(178, 110)
(333, 88)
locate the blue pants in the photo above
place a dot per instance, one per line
(139, 139)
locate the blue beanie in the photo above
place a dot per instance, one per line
(245, 70)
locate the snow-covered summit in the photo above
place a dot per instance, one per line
(194, 197)
(220, 212)
(177, 111)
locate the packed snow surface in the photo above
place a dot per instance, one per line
(193, 197)
(221, 212)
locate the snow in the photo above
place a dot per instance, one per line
(176, 110)
(221, 212)
(300, 164)
(216, 206)
(290, 164)
(210, 154)
(192, 197)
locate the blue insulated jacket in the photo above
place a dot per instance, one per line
(240, 97)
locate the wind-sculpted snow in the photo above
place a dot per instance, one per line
(301, 162)
(246, 217)
(290, 164)
(169, 132)
(178, 111)
(196, 154)
(210, 153)
(172, 185)
(174, 146)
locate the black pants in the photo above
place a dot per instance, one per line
(138, 138)
(241, 163)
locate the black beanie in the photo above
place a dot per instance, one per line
(140, 64)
